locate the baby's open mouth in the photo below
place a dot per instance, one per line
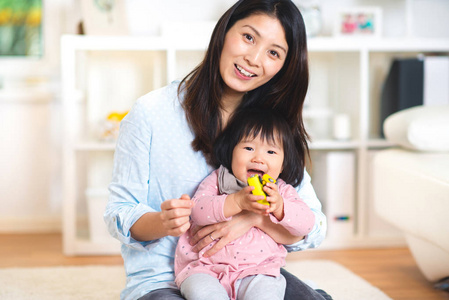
(252, 172)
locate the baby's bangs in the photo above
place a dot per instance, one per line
(266, 130)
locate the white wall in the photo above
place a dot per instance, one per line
(419, 18)
(146, 16)
(30, 131)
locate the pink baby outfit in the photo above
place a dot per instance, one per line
(253, 253)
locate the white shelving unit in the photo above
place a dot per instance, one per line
(81, 147)
(355, 71)
(26, 95)
(346, 77)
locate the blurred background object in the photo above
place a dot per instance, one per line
(21, 27)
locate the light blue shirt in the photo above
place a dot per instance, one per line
(154, 162)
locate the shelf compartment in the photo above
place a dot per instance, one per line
(94, 146)
(334, 145)
(334, 89)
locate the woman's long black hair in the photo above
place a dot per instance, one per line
(285, 92)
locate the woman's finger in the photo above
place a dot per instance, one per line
(172, 224)
(218, 246)
(194, 229)
(202, 238)
(226, 235)
(207, 240)
(179, 230)
(225, 231)
(176, 203)
(177, 213)
(185, 197)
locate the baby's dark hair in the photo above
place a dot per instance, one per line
(272, 126)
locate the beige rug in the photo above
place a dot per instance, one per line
(106, 282)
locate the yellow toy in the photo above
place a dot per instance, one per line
(116, 116)
(258, 183)
(111, 125)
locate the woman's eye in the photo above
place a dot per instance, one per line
(274, 53)
(248, 37)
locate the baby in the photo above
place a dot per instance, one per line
(255, 142)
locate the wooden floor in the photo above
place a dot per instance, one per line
(391, 270)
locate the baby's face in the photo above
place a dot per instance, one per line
(257, 156)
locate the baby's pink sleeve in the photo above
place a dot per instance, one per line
(298, 217)
(208, 208)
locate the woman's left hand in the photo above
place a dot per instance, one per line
(223, 233)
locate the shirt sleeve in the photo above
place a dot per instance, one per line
(316, 236)
(298, 217)
(208, 208)
(128, 190)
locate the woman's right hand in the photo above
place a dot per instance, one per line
(223, 233)
(173, 219)
(175, 215)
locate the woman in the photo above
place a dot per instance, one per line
(257, 56)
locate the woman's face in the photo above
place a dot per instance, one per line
(254, 50)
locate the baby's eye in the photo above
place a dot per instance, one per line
(248, 148)
(271, 152)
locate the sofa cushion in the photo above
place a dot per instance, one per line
(411, 191)
(421, 128)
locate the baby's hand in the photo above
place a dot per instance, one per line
(275, 199)
(247, 201)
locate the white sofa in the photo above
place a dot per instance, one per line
(411, 184)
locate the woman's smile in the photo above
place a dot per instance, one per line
(244, 73)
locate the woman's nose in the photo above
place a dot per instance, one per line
(253, 56)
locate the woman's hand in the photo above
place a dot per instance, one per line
(275, 199)
(175, 215)
(173, 219)
(223, 233)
